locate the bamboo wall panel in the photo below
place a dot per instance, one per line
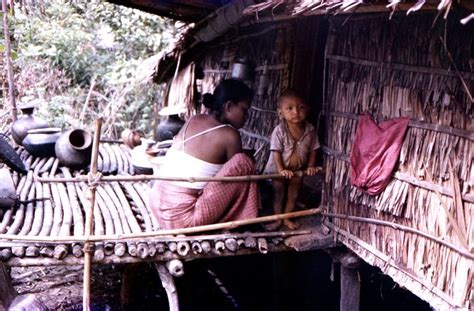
(439, 97)
(263, 50)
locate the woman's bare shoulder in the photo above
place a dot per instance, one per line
(231, 132)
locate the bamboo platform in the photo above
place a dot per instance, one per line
(121, 210)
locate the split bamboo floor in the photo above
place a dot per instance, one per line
(121, 210)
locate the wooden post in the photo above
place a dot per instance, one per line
(168, 284)
(8, 60)
(88, 246)
(7, 292)
(350, 288)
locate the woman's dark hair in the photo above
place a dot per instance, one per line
(228, 90)
(208, 100)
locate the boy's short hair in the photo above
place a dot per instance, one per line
(289, 93)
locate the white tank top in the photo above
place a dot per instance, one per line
(177, 163)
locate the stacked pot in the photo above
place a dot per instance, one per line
(72, 148)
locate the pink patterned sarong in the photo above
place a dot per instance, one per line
(179, 207)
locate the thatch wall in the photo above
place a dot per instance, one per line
(263, 46)
(390, 68)
(393, 68)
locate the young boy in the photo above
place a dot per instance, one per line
(293, 148)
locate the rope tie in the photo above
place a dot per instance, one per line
(88, 247)
(93, 180)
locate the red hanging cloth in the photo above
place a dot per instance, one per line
(375, 152)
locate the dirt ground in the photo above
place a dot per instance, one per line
(60, 288)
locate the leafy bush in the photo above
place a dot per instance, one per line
(68, 50)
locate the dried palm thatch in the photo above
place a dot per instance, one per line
(432, 189)
(181, 89)
(318, 7)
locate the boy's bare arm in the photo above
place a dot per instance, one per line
(312, 169)
(277, 157)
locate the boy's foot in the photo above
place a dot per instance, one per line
(290, 225)
(273, 225)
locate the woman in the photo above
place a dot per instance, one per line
(208, 145)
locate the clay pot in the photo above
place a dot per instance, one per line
(26, 121)
(7, 189)
(169, 127)
(73, 149)
(140, 159)
(242, 70)
(131, 138)
(42, 142)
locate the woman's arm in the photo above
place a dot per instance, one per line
(233, 143)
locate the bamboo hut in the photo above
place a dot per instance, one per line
(346, 57)
(389, 59)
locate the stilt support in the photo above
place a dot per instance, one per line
(168, 284)
(350, 289)
(7, 292)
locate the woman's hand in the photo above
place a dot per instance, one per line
(312, 170)
(287, 173)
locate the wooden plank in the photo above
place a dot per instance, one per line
(310, 242)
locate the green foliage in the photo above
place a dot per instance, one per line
(90, 42)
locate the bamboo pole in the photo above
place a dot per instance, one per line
(164, 232)
(234, 224)
(86, 104)
(246, 178)
(113, 259)
(462, 252)
(89, 219)
(8, 60)
(188, 238)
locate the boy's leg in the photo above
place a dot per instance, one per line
(279, 187)
(293, 192)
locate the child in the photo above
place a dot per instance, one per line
(293, 148)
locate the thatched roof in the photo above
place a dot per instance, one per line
(187, 11)
(226, 18)
(319, 7)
